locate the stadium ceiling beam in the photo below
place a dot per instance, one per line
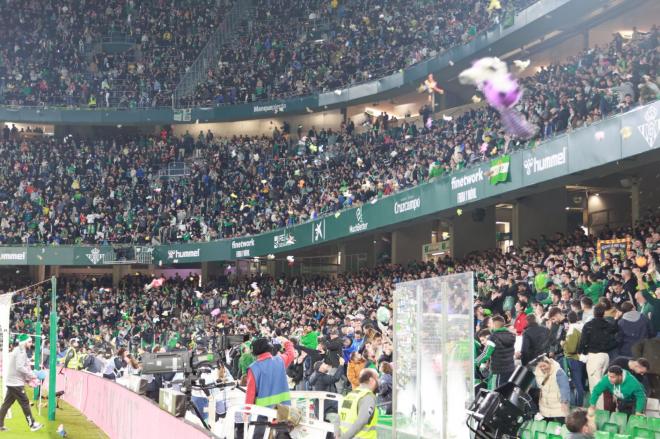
(598, 189)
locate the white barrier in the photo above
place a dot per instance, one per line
(312, 405)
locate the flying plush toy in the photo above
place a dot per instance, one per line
(502, 92)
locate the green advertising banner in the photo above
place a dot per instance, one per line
(545, 162)
(13, 256)
(619, 137)
(639, 130)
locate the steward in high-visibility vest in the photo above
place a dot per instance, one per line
(72, 359)
(267, 383)
(358, 416)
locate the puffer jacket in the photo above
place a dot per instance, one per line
(633, 327)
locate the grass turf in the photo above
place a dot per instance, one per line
(76, 425)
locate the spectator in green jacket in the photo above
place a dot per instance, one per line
(540, 279)
(627, 391)
(311, 337)
(593, 288)
(245, 359)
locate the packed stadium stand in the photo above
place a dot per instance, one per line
(154, 257)
(251, 185)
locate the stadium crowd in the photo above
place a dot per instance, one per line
(279, 54)
(56, 53)
(70, 190)
(316, 46)
(553, 294)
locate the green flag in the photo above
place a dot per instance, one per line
(499, 169)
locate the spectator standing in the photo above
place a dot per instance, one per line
(520, 322)
(576, 368)
(385, 387)
(555, 390)
(633, 327)
(535, 342)
(628, 393)
(500, 351)
(355, 367)
(18, 375)
(597, 340)
(647, 299)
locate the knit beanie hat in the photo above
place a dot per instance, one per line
(24, 338)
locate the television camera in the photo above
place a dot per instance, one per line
(501, 412)
(192, 366)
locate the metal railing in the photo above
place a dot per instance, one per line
(209, 55)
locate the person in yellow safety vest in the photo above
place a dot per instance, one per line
(72, 359)
(358, 416)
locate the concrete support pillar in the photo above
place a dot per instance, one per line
(585, 39)
(540, 214)
(407, 242)
(37, 273)
(634, 202)
(118, 272)
(341, 258)
(205, 272)
(473, 231)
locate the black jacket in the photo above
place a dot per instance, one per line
(598, 336)
(334, 351)
(536, 341)
(323, 382)
(501, 361)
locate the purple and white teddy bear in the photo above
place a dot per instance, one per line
(491, 76)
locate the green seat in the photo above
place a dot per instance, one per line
(612, 428)
(564, 431)
(622, 436)
(620, 419)
(554, 436)
(541, 435)
(526, 434)
(553, 428)
(654, 423)
(642, 433)
(603, 435)
(602, 416)
(634, 422)
(538, 426)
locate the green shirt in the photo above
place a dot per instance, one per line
(541, 282)
(244, 362)
(310, 340)
(594, 291)
(628, 390)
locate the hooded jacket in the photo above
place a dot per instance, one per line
(536, 341)
(501, 361)
(633, 327)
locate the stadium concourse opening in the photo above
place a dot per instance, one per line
(317, 219)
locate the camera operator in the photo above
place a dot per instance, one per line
(93, 362)
(115, 364)
(267, 384)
